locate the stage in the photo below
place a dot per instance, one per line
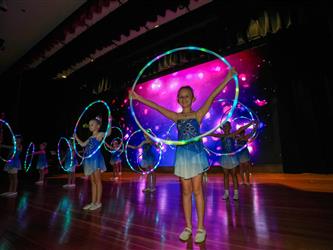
(278, 211)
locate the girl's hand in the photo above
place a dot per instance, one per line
(75, 137)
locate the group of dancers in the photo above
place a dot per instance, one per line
(191, 159)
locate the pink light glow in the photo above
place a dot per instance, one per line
(260, 103)
(188, 76)
(217, 68)
(204, 140)
(242, 77)
(250, 148)
(173, 84)
(156, 84)
(201, 75)
(207, 116)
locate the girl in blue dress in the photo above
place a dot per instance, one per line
(115, 160)
(42, 164)
(231, 161)
(12, 167)
(244, 155)
(148, 161)
(94, 165)
(191, 159)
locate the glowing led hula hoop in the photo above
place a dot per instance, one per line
(27, 164)
(13, 140)
(105, 134)
(131, 166)
(253, 117)
(168, 135)
(197, 138)
(70, 151)
(121, 147)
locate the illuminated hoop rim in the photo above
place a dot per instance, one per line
(27, 166)
(14, 142)
(107, 146)
(197, 138)
(70, 151)
(105, 135)
(128, 162)
(251, 139)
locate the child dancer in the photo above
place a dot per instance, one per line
(244, 155)
(148, 160)
(229, 162)
(42, 164)
(191, 159)
(115, 160)
(12, 167)
(94, 165)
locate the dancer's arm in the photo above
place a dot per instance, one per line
(206, 106)
(167, 113)
(81, 143)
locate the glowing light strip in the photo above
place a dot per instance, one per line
(14, 142)
(27, 166)
(197, 138)
(106, 132)
(131, 166)
(70, 151)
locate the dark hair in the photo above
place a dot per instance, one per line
(98, 120)
(186, 87)
(226, 123)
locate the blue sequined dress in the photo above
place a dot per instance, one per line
(70, 166)
(191, 158)
(228, 146)
(15, 163)
(244, 154)
(148, 157)
(96, 161)
(115, 157)
(42, 161)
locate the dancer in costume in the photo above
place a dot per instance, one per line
(12, 167)
(42, 164)
(191, 158)
(94, 165)
(148, 161)
(229, 159)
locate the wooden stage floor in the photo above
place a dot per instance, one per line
(278, 211)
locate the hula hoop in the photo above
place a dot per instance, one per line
(197, 138)
(27, 166)
(105, 134)
(131, 166)
(70, 151)
(13, 140)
